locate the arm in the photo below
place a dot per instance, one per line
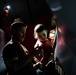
(13, 61)
(33, 54)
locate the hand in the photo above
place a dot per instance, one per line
(39, 48)
(38, 51)
(38, 65)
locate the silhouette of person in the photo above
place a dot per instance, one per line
(17, 58)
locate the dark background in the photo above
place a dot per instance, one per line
(30, 10)
(34, 10)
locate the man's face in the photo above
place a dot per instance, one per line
(42, 36)
(21, 34)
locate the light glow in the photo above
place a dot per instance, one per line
(8, 7)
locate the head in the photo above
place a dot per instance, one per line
(6, 10)
(17, 18)
(18, 31)
(40, 32)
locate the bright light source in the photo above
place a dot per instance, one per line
(8, 7)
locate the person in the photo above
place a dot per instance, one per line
(2, 43)
(4, 25)
(17, 18)
(40, 34)
(17, 58)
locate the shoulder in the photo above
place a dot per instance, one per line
(1, 31)
(10, 51)
(9, 48)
